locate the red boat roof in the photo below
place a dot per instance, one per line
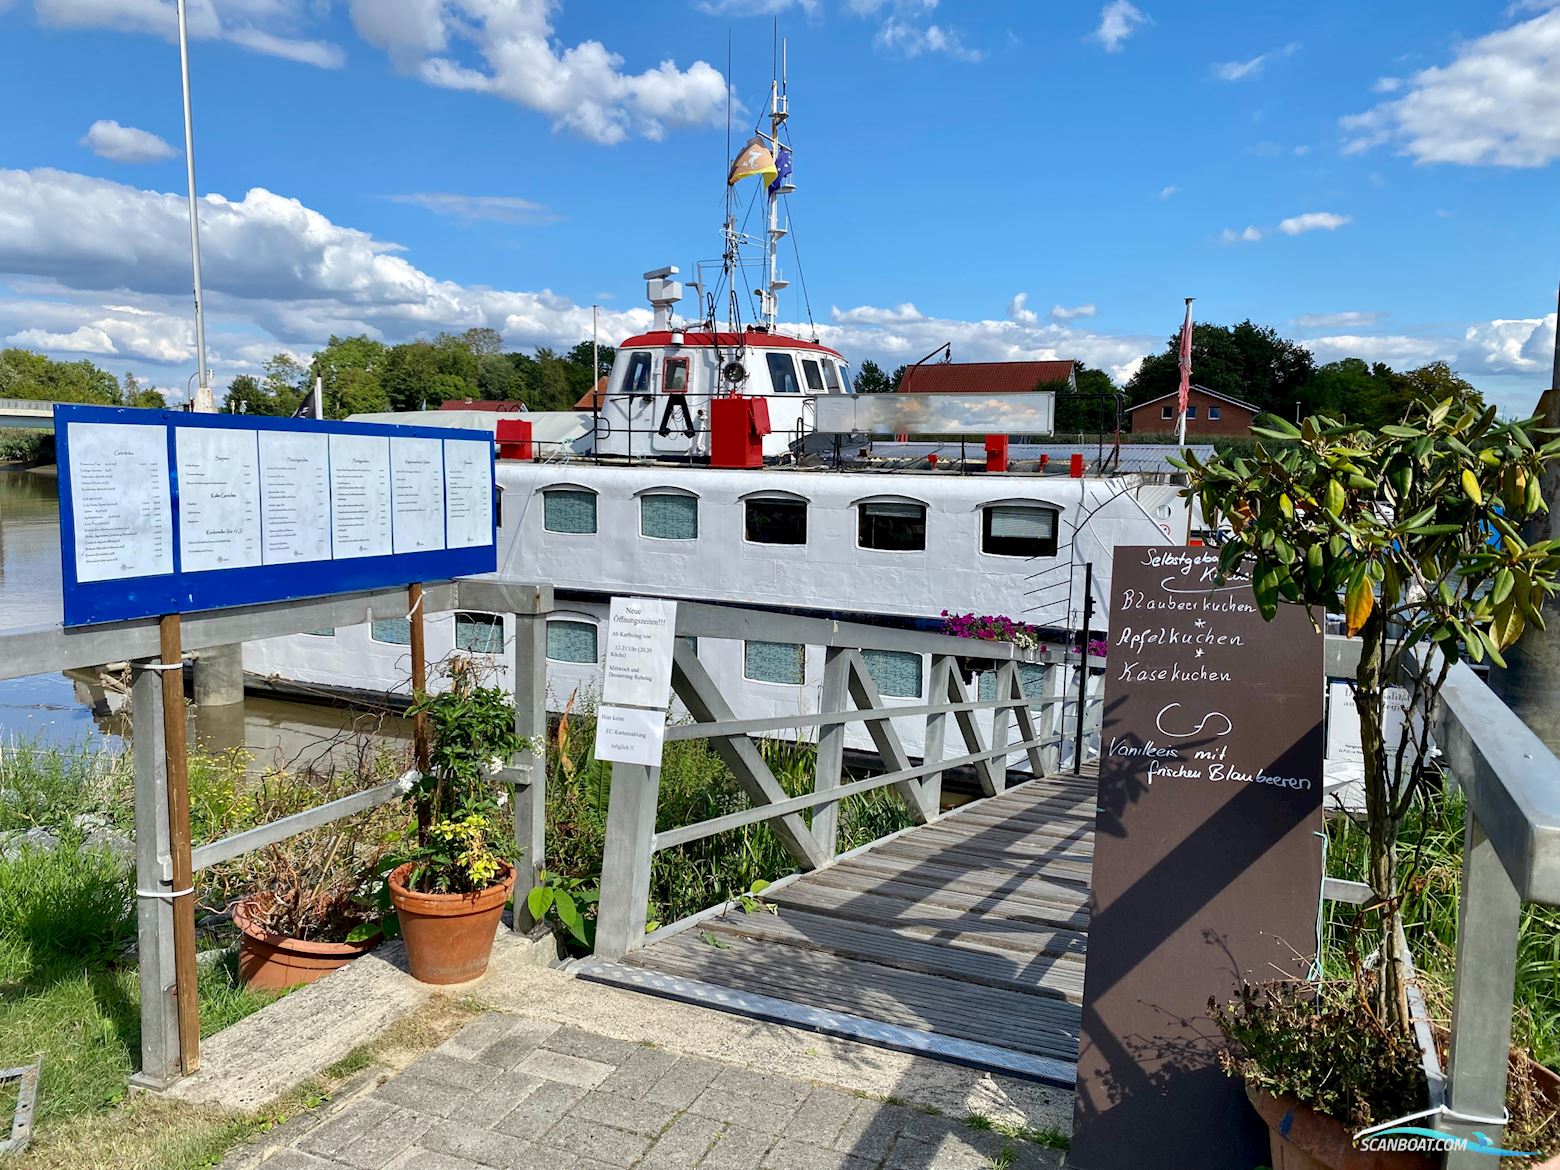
(754, 338)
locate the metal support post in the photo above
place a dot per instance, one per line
(1001, 721)
(831, 747)
(154, 908)
(530, 791)
(938, 693)
(1083, 662)
(625, 869)
(1488, 916)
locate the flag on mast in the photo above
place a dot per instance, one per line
(1186, 371)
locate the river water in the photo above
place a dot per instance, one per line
(58, 709)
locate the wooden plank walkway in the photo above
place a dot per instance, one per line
(964, 938)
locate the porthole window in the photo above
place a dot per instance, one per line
(569, 510)
(773, 662)
(665, 516)
(896, 673)
(770, 521)
(479, 633)
(892, 526)
(1018, 530)
(571, 642)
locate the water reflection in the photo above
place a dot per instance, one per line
(90, 707)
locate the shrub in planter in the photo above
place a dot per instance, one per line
(450, 886)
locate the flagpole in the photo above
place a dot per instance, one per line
(203, 401)
(1185, 397)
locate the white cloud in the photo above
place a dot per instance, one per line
(1401, 351)
(1240, 70)
(1119, 20)
(905, 314)
(1062, 313)
(83, 339)
(471, 208)
(1496, 104)
(1350, 320)
(106, 138)
(1166, 192)
(271, 27)
(1250, 235)
(583, 88)
(1313, 221)
(1018, 310)
(1520, 346)
(910, 39)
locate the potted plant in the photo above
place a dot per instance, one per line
(1412, 533)
(449, 889)
(989, 628)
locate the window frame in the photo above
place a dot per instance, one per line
(489, 620)
(663, 493)
(671, 363)
(573, 489)
(986, 511)
(831, 376)
(861, 507)
(574, 620)
(1191, 410)
(373, 634)
(1214, 413)
(775, 498)
(773, 355)
(810, 374)
(634, 358)
(1166, 412)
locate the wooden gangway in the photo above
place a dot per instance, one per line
(963, 938)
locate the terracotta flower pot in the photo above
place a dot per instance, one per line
(1302, 1139)
(271, 962)
(449, 936)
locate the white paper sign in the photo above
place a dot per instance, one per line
(640, 635)
(417, 486)
(468, 488)
(120, 504)
(295, 496)
(1344, 743)
(219, 499)
(360, 495)
(630, 735)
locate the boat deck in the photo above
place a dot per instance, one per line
(963, 939)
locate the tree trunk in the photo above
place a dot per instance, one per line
(1380, 823)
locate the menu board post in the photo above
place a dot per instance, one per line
(181, 861)
(1207, 858)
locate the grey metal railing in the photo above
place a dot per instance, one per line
(1033, 727)
(1511, 855)
(49, 649)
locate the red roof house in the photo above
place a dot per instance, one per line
(986, 377)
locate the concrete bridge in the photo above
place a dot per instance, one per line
(26, 414)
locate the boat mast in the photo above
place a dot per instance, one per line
(779, 111)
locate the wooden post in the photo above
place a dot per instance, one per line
(414, 617)
(179, 844)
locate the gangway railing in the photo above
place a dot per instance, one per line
(1027, 732)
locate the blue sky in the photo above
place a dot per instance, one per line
(1023, 179)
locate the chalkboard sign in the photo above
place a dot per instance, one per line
(1207, 864)
(168, 512)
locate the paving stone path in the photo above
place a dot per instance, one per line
(507, 1093)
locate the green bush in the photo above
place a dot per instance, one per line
(26, 446)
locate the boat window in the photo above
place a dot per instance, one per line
(480, 633)
(831, 377)
(775, 521)
(810, 372)
(571, 642)
(322, 632)
(569, 510)
(395, 631)
(782, 373)
(674, 375)
(664, 516)
(773, 662)
(850, 387)
(1018, 530)
(636, 378)
(891, 526)
(896, 673)
(1031, 681)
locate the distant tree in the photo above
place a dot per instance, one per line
(870, 378)
(897, 377)
(1246, 361)
(25, 374)
(355, 392)
(1090, 408)
(527, 377)
(483, 341)
(285, 384)
(419, 372)
(580, 356)
(247, 396)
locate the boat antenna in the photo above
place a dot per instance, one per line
(779, 111)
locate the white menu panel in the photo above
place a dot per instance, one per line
(360, 495)
(120, 504)
(417, 490)
(640, 635)
(219, 499)
(468, 490)
(295, 496)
